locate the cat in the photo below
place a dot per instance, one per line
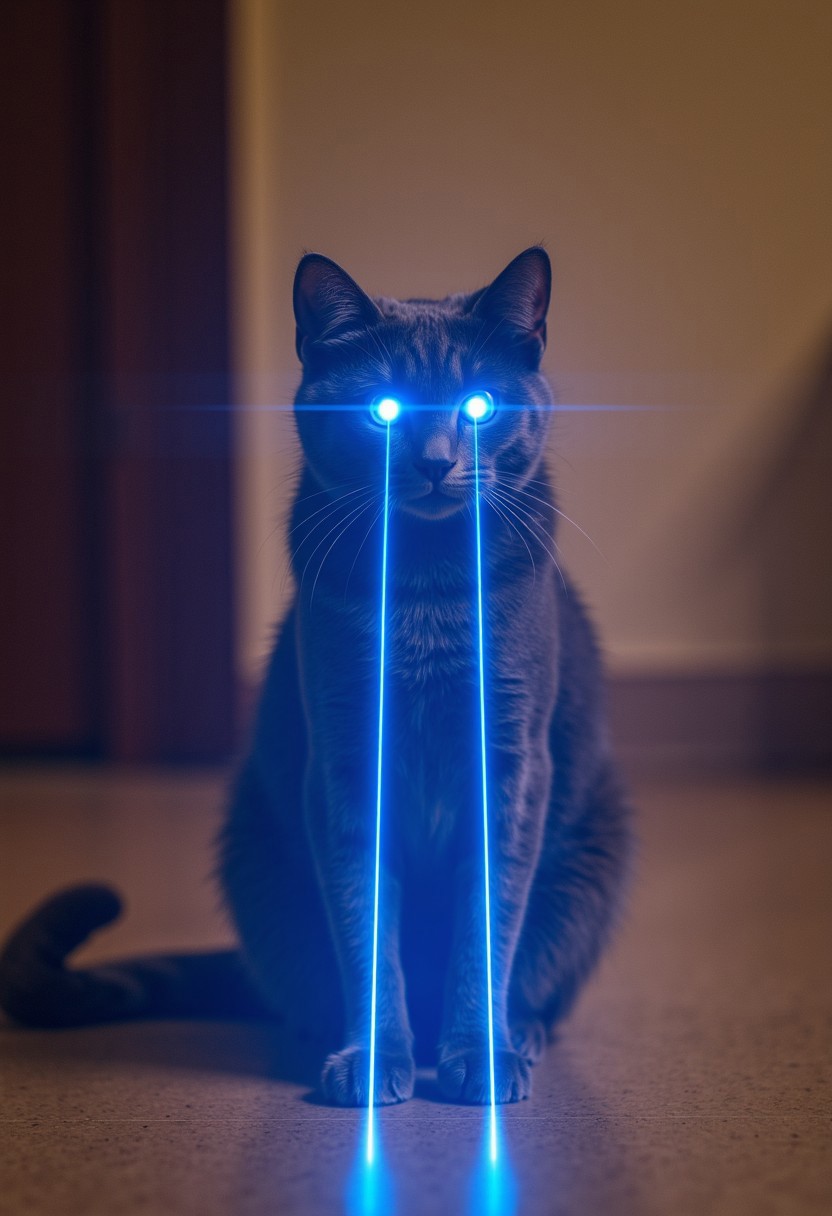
(296, 852)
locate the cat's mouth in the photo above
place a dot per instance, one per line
(433, 504)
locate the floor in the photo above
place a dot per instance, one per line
(694, 1077)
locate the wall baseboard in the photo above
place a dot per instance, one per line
(764, 721)
(744, 722)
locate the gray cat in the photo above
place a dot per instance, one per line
(296, 853)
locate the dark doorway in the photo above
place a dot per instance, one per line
(116, 614)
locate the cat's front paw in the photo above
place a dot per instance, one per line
(345, 1079)
(464, 1075)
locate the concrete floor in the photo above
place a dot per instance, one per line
(694, 1077)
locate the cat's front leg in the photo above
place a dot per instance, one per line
(517, 814)
(344, 851)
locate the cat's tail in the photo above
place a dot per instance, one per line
(38, 989)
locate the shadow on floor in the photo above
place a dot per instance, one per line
(253, 1049)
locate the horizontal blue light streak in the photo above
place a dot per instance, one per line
(374, 983)
(289, 407)
(485, 836)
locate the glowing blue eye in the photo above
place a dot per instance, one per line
(385, 409)
(478, 407)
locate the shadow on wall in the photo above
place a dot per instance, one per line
(777, 714)
(786, 524)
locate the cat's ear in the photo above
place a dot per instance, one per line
(518, 300)
(328, 303)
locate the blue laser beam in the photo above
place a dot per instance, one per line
(383, 631)
(487, 875)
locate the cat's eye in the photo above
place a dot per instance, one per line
(385, 410)
(478, 407)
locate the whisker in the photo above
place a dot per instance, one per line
(521, 490)
(287, 567)
(373, 523)
(340, 498)
(279, 526)
(507, 495)
(515, 479)
(317, 493)
(535, 522)
(508, 521)
(334, 508)
(350, 513)
(346, 527)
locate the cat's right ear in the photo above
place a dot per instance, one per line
(328, 304)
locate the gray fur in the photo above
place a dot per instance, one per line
(300, 880)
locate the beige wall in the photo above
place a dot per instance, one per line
(676, 159)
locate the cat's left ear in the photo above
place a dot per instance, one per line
(518, 300)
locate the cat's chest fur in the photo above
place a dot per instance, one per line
(432, 685)
(431, 642)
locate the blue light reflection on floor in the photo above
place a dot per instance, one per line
(370, 1187)
(493, 1189)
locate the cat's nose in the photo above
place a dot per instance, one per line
(435, 470)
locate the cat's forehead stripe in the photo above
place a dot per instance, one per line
(432, 360)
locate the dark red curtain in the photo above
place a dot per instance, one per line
(116, 609)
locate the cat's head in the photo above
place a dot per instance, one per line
(432, 357)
